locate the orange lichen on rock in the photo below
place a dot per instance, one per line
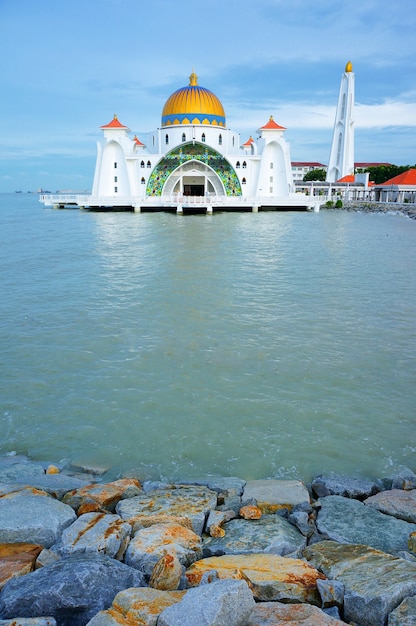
(250, 512)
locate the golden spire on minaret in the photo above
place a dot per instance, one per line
(348, 67)
(193, 79)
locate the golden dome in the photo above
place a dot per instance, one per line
(193, 105)
(348, 67)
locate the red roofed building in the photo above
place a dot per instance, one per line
(400, 188)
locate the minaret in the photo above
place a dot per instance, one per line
(341, 158)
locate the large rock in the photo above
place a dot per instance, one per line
(72, 590)
(57, 485)
(269, 576)
(396, 502)
(222, 603)
(17, 559)
(20, 471)
(343, 486)
(141, 606)
(149, 544)
(278, 614)
(95, 533)
(183, 501)
(97, 497)
(225, 486)
(375, 582)
(350, 521)
(271, 534)
(33, 519)
(404, 614)
(276, 495)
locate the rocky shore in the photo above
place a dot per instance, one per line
(363, 206)
(220, 551)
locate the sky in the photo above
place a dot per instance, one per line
(69, 65)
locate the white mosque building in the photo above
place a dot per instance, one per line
(192, 162)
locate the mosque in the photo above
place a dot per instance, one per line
(194, 162)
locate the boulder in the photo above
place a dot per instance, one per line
(271, 534)
(17, 559)
(396, 502)
(72, 590)
(375, 582)
(97, 497)
(224, 486)
(269, 576)
(276, 495)
(149, 544)
(187, 501)
(343, 486)
(57, 485)
(278, 614)
(222, 603)
(17, 472)
(33, 519)
(350, 521)
(93, 533)
(141, 606)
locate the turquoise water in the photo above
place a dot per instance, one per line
(255, 345)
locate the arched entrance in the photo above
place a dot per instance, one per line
(193, 169)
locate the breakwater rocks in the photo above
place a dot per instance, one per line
(364, 206)
(76, 550)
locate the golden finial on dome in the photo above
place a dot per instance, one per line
(193, 79)
(348, 67)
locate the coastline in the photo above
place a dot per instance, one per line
(362, 206)
(245, 553)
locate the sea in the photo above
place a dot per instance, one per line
(269, 345)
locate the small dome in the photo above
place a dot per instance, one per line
(348, 67)
(193, 105)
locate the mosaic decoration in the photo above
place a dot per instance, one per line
(193, 152)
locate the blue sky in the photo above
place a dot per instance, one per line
(69, 65)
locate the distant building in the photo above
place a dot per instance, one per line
(300, 168)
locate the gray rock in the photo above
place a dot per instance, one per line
(55, 484)
(396, 502)
(343, 486)
(72, 590)
(222, 603)
(18, 472)
(301, 520)
(272, 496)
(406, 479)
(349, 521)
(227, 487)
(279, 614)
(33, 519)
(375, 582)
(271, 534)
(404, 614)
(331, 592)
(95, 533)
(192, 502)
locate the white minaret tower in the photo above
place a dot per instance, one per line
(341, 158)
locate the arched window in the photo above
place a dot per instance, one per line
(237, 164)
(142, 164)
(166, 139)
(220, 140)
(143, 180)
(244, 164)
(233, 141)
(149, 164)
(203, 138)
(183, 137)
(243, 181)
